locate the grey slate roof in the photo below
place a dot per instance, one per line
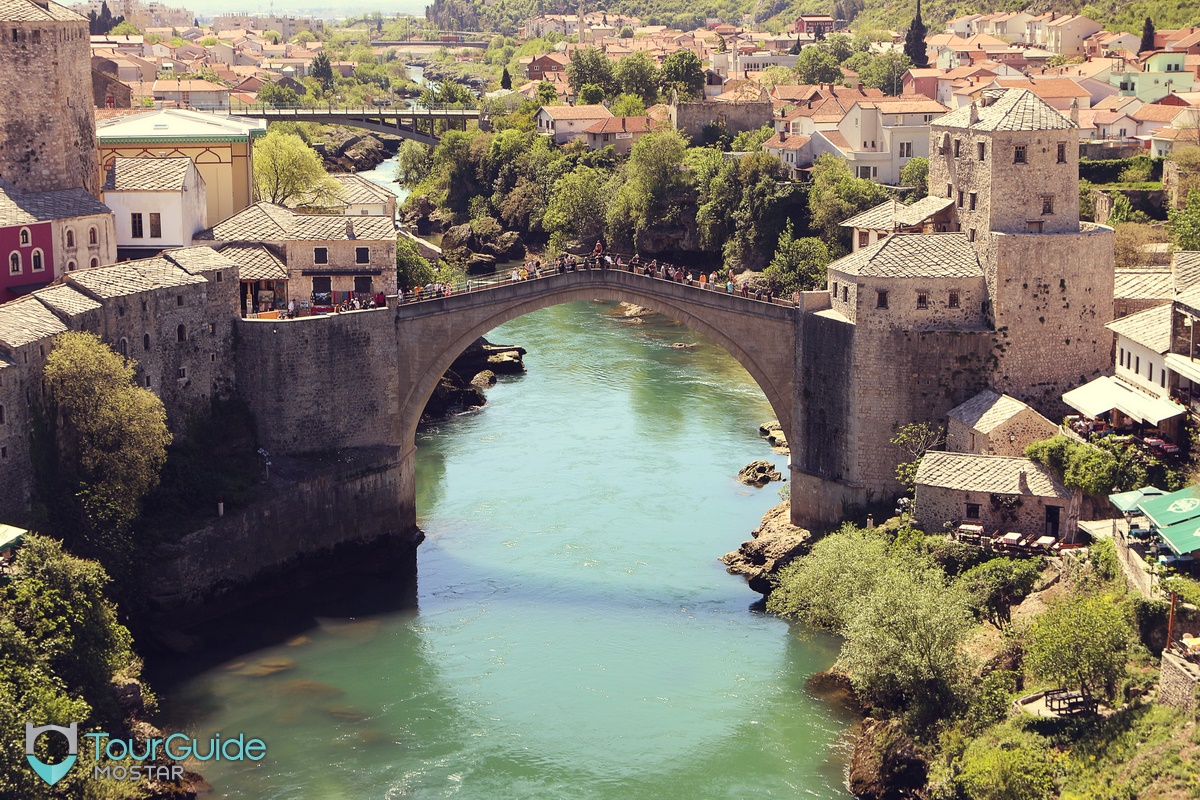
(357, 189)
(65, 299)
(26, 208)
(968, 472)
(131, 277)
(1185, 265)
(1006, 110)
(255, 262)
(914, 255)
(1150, 328)
(1144, 283)
(987, 410)
(199, 259)
(27, 11)
(26, 320)
(889, 215)
(266, 222)
(146, 174)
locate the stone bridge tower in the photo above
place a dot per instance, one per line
(47, 121)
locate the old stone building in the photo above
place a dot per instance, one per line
(928, 215)
(47, 120)
(995, 424)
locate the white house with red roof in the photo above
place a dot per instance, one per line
(567, 123)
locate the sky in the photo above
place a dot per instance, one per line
(325, 9)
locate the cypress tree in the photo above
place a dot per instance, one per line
(505, 79)
(1147, 36)
(914, 41)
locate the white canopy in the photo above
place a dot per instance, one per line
(1106, 393)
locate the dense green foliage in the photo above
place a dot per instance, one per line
(1111, 170)
(287, 170)
(799, 263)
(1105, 466)
(1185, 223)
(1081, 643)
(995, 586)
(916, 174)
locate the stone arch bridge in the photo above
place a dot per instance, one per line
(360, 380)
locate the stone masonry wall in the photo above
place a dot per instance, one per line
(692, 118)
(47, 121)
(1177, 683)
(934, 506)
(1007, 439)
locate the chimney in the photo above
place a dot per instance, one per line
(349, 229)
(623, 122)
(1075, 110)
(42, 3)
(782, 136)
(1022, 481)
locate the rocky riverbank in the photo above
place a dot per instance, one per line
(774, 544)
(461, 388)
(351, 150)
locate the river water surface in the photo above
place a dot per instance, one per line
(575, 636)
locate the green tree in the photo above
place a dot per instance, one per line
(628, 105)
(650, 182)
(572, 213)
(505, 79)
(321, 70)
(916, 174)
(1080, 465)
(914, 41)
(412, 163)
(799, 263)
(885, 72)
(1147, 42)
(1009, 765)
(288, 170)
(112, 434)
(1121, 211)
(276, 96)
(838, 45)
(590, 66)
(995, 586)
(274, 37)
(816, 65)
(1185, 222)
(749, 141)
(914, 440)
(683, 73)
(638, 74)
(412, 268)
(1081, 642)
(835, 195)
(304, 37)
(590, 94)
(546, 95)
(124, 29)
(626, 32)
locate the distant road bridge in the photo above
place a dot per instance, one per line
(411, 122)
(426, 43)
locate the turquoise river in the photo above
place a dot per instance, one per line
(574, 635)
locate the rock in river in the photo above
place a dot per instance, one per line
(759, 473)
(776, 543)
(886, 764)
(773, 432)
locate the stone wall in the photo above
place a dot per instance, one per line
(1177, 683)
(935, 506)
(47, 122)
(691, 119)
(1010, 438)
(341, 266)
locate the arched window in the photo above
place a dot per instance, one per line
(14, 263)
(36, 261)
(181, 333)
(70, 237)
(123, 347)
(93, 235)
(95, 263)
(70, 266)
(25, 238)
(146, 342)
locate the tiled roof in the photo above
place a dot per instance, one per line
(836, 139)
(1007, 110)
(65, 299)
(577, 112)
(917, 255)
(131, 277)
(271, 223)
(24, 208)
(146, 174)
(992, 474)
(1185, 268)
(911, 104)
(987, 411)
(177, 122)
(25, 320)
(1045, 87)
(890, 215)
(1150, 328)
(357, 189)
(28, 11)
(201, 258)
(1153, 112)
(255, 262)
(793, 141)
(1143, 283)
(620, 125)
(194, 85)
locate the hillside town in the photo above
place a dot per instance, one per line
(982, 238)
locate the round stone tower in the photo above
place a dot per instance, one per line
(47, 121)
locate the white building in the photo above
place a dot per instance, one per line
(567, 123)
(878, 137)
(158, 203)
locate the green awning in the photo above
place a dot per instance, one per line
(11, 536)
(1183, 537)
(1172, 509)
(1127, 502)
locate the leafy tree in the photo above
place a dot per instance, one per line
(546, 94)
(1147, 42)
(276, 96)
(412, 268)
(916, 174)
(914, 41)
(1008, 766)
(816, 65)
(590, 94)
(590, 66)
(626, 32)
(288, 170)
(1185, 222)
(683, 73)
(1122, 209)
(650, 181)
(572, 213)
(749, 141)
(628, 105)
(885, 71)
(838, 45)
(304, 37)
(799, 263)
(412, 163)
(112, 434)
(638, 74)
(1081, 465)
(505, 79)
(835, 195)
(322, 70)
(915, 439)
(274, 37)
(1080, 642)
(995, 586)
(124, 28)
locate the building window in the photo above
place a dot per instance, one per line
(1062, 152)
(953, 301)
(36, 262)
(922, 299)
(973, 198)
(1033, 226)
(1121, 356)
(1150, 372)
(212, 327)
(846, 294)
(25, 238)
(220, 277)
(181, 333)
(362, 255)
(320, 255)
(1, 415)
(957, 148)
(95, 263)
(135, 226)
(970, 234)
(1047, 204)
(70, 266)
(146, 342)
(835, 290)
(93, 236)
(123, 347)
(981, 149)
(70, 238)
(949, 191)
(14, 263)
(864, 238)
(881, 299)
(972, 510)
(147, 381)
(906, 149)
(362, 284)
(1019, 154)
(155, 225)
(961, 195)
(182, 373)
